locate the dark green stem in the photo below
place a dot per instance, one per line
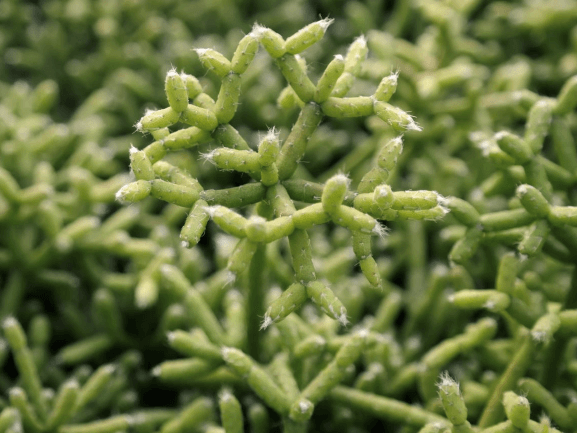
(494, 411)
(255, 300)
(290, 426)
(553, 356)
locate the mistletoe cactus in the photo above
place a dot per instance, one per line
(268, 251)
(277, 202)
(276, 187)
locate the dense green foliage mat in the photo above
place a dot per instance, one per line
(221, 216)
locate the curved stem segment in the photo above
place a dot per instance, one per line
(385, 408)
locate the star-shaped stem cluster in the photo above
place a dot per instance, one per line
(275, 185)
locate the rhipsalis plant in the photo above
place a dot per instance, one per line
(275, 183)
(276, 167)
(272, 193)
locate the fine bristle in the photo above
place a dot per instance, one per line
(266, 322)
(446, 380)
(200, 51)
(343, 317)
(325, 23)
(257, 30)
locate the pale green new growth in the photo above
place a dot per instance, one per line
(214, 61)
(307, 36)
(452, 401)
(387, 87)
(517, 409)
(230, 412)
(176, 91)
